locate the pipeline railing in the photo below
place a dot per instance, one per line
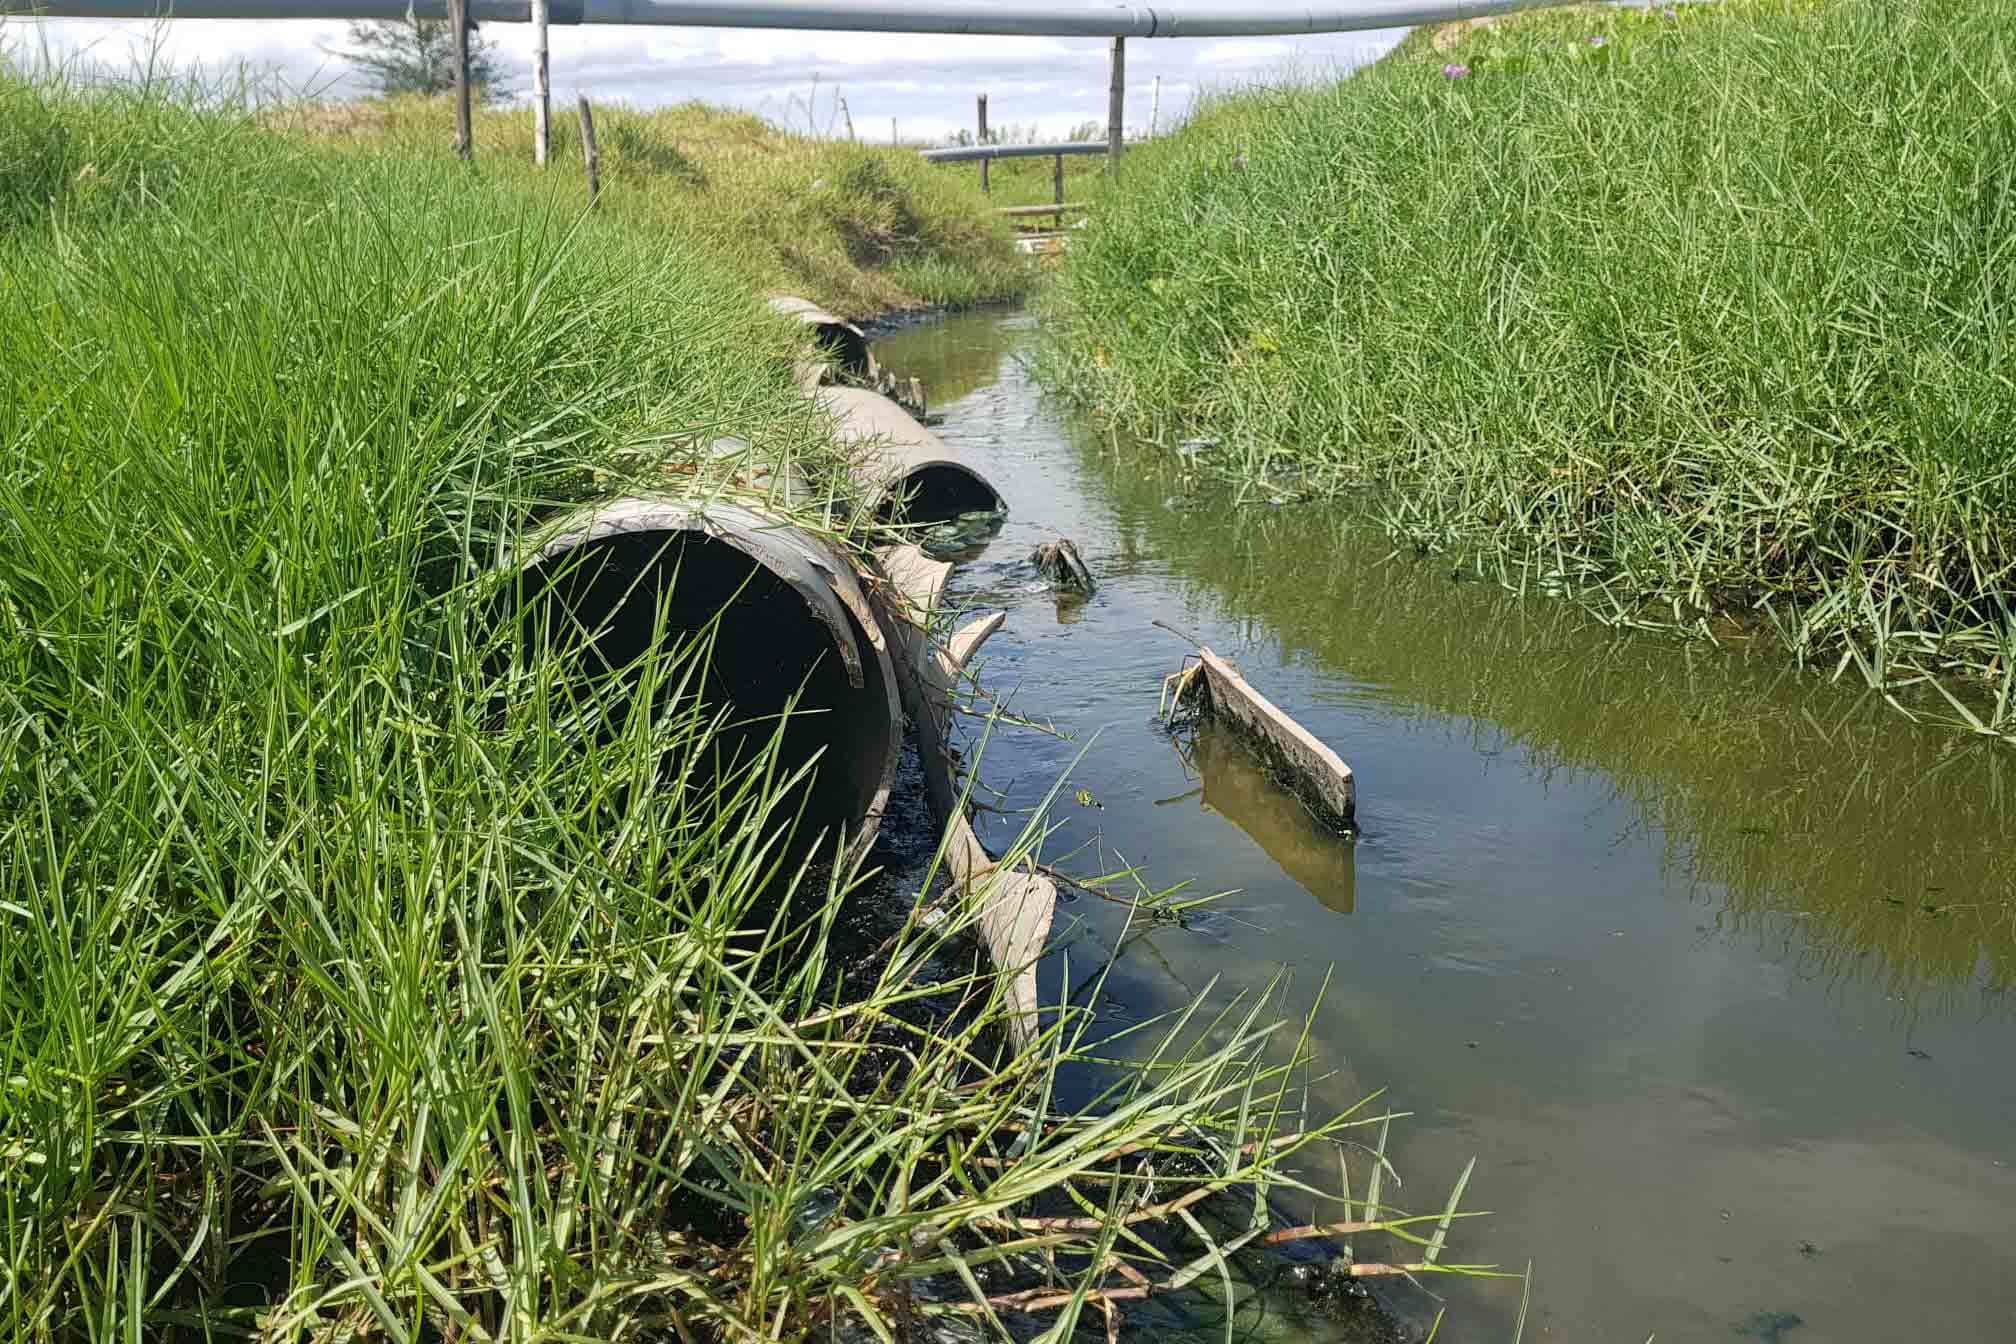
(969, 153)
(1010, 18)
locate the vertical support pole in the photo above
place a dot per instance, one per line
(892, 130)
(1155, 110)
(542, 91)
(1116, 107)
(591, 154)
(984, 185)
(1060, 187)
(458, 19)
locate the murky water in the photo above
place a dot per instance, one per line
(1708, 963)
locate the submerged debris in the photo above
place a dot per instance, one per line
(966, 532)
(1060, 563)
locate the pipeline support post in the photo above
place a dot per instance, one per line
(458, 20)
(591, 154)
(985, 188)
(542, 91)
(1116, 107)
(1059, 179)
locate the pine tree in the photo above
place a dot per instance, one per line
(412, 55)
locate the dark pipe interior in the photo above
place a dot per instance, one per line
(848, 347)
(600, 603)
(937, 493)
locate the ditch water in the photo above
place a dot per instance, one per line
(1707, 962)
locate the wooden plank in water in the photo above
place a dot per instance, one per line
(1317, 774)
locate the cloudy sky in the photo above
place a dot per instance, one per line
(926, 83)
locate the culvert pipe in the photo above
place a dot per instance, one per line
(839, 342)
(793, 622)
(902, 471)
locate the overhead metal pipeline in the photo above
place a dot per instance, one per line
(968, 153)
(1012, 18)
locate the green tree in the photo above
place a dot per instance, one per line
(412, 55)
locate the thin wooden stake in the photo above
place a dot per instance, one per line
(591, 156)
(984, 185)
(1116, 107)
(458, 18)
(542, 90)
(1060, 183)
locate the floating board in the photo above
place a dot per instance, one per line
(1303, 764)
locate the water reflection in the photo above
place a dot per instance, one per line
(954, 358)
(1702, 959)
(1237, 787)
(1890, 845)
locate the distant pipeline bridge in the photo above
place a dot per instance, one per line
(994, 18)
(1007, 18)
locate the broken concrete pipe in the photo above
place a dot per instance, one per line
(1014, 909)
(607, 582)
(843, 347)
(902, 471)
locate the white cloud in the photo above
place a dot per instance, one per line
(926, 83)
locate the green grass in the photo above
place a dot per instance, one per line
(862, 229)
(1034, 181)
(357, 977)
(1704, 321)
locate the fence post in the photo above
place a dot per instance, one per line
(1116, 107)
(1060, 187)
(591, 155)
(1155, 110)
(984, 187)
(542, 92)
(458, 19)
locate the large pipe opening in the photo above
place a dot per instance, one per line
(843, 344)
(936, 492)
(908, 474)
(604, 596)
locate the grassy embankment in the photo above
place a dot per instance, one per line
(864, 230)
(1034, 181)
(1703, 317)
(355, 975)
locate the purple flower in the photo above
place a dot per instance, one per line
(1599, 41)
(1455, 70)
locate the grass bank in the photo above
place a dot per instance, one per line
(355, 977)
(1702, 317)
(861, 229)
(1014, 182)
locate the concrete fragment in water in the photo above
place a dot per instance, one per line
(1060, 563)
(1015, 909)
